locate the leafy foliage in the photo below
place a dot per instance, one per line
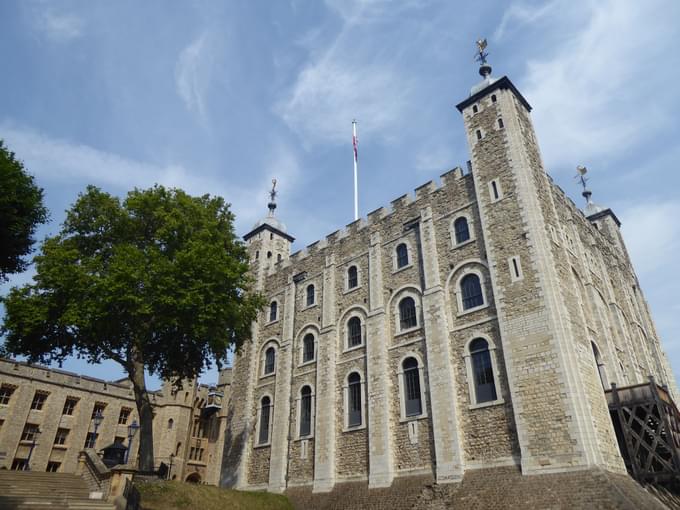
(21, 211)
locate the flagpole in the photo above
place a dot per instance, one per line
(356, 186)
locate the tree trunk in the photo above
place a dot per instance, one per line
(145, 411)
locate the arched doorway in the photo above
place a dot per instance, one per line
(194, 478)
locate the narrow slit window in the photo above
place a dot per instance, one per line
(479, 134)
(265, 411)
(493, 98)
(500, 123)
(475, 109)
(412, 398)
(515, 269)
(495, 190)
(354, 400)
(305, 411)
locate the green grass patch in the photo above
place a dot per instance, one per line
(186, 496)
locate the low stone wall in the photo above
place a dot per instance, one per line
(488, 489)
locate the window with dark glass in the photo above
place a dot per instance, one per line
(352, 277)
(407, 313)
(29, 432)
(53, 467)
(61, 436)
(38, 400)
(269, 360)
(124, 415)
(482, 371)
(402, 255)
(354, 332)
(412, 400)
(265, 410)
(354, 400)
(460, 227)
(308, 348)
(70, 406)
(91, 440)
(19, 464)
(305, 411)
(471, 289)
(310, 295)
(5, 394)
(272, 311)
(98, 410)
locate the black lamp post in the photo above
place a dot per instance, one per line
(132, 431)
(97, 419)
(36, 434)
(172, 457)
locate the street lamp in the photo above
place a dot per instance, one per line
(36, 434)
(172, 457)
(132, 430)
(97, 419)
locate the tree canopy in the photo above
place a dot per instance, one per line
(157, 281)
(21, 211)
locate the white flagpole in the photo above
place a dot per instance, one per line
(356, 186)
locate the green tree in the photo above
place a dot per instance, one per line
(21, 211)
(157, 282)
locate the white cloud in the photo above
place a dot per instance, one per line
(652, 235)
(193, 74)
(56, 160)
(588, 88)
(519, 14)
(57, 26)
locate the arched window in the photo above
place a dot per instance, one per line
(460, 228)
(269, 360)
(308, 348)
(352, 277)
(354, 400)
(413, 405)
(482, 371)
(265, 413)
(407, 313)
(305, 411)
(353, 332)
(402, 255)
(600, 365)
(273, 311)
(171, 423)
(178, 449)
(279, 258)
(310, 295)
(471, 290)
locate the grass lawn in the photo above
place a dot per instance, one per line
(186, 496)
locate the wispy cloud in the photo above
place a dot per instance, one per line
(518, 15)
(55, 25)
(192, 75)
(587, 103)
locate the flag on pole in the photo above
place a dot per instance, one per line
(354, 142)
(356, 158)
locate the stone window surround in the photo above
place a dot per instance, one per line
(499, 189)
(304, 331)
(272, 342)
(347, 288)
(470, 376)
(278, 312)
(345, 401)
(353, 312)
(471, 230)
(412, 292)
(464, 271)
(298, 412)
(401, 387)
(259, 417)
(511, 267)
(409, 251)
(314, 303)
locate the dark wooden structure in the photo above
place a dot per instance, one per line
(647, 426)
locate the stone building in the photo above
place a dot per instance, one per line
(189, 423)
(474, 325)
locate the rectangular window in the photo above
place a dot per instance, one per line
(515, 269)
(91, 440)
(264, 424)
(495, 190)
(70, 406)
(500, 123)
(19, 464)
(61, 436)
(124, 415)
(98, 409)
(39, 400)
(119, 440)
(412, 381)
(29, 432)
(354, 418)
(305, 415)
(5, 394)
(53, 467)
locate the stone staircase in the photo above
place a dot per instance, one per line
(35, 490)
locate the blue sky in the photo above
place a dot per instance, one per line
(220, 97)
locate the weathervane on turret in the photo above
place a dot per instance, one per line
(581, 172)
(272, 199)
(480, 56)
